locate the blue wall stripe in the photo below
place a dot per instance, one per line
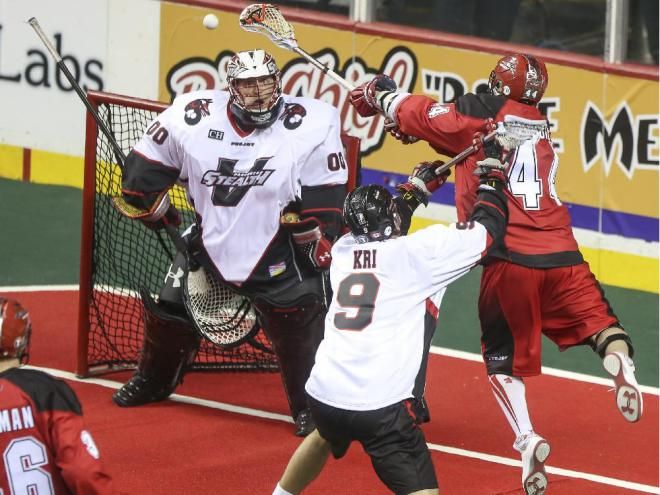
(583, 217)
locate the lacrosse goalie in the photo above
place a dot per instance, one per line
(266, 174)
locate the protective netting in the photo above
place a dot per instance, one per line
(222, 315)
(122, 257)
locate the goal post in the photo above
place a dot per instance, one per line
(119, 257)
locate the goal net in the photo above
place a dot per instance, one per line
(119, 256)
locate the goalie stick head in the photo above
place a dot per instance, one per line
(15, 330)
(371, 214)
(521, 77)
(254, 87)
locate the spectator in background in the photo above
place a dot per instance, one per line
(483, 18)
(46, 447)
(650, 11)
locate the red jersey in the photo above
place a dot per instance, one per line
(44, 444)
(539, 232)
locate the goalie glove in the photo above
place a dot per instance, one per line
(308, 239)
(161, 213)
(423, 182)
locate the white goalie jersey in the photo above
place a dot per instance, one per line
(239, 182)
(373, 345)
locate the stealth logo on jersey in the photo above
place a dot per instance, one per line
(236, 179)
(230, 185)
(197, 109)
(293, 115)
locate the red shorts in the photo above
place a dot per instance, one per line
(517, 304)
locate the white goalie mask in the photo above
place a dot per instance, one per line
(254, 88)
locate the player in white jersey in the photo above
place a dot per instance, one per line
(245, 157)
(387, 287)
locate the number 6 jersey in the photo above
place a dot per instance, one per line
(44, 444)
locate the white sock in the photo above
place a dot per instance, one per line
(510, 394)
(280, 491)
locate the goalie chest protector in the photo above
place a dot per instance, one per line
(239, 183)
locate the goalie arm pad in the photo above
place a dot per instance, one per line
(145, 186)
(144, 182)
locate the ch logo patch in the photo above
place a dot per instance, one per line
(216, 134)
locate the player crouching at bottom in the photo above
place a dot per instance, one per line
(370, 368)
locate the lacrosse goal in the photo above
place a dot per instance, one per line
(120, 256)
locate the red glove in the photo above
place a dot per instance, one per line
(363, 97)
(424, 181)
(310, 241)
(478, 139)
(393, 129)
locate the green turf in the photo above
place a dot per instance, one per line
(41, 245)
(638, 311)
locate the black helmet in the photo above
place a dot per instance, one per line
(371, 214)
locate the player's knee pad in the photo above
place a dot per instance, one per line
(600, 342)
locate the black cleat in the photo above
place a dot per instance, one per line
(140, 390)
(304, 423)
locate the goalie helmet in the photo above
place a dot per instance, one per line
(520, 77)
(371, 214)
(254, 87)
(15, 329)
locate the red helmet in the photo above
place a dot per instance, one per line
(520, 77)
(15, 328)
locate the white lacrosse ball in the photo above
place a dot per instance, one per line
(210, 21)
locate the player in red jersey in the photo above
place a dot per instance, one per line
(539, 283)
(45, 446)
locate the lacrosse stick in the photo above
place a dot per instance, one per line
(266, 19)
(510, 134)
(218, 313)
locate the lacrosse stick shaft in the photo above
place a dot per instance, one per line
(72, 80)
(178, 241)
(324, 68)
(463, 154)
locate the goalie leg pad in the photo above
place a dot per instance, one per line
(601, 341)
(169, 346)
(295, 332)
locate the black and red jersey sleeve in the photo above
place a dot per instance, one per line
(59, 421)
(449, 128)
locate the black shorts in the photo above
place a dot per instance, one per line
(391, 436)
